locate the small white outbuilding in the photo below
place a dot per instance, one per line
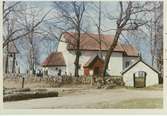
(140, 70)
(54, 64)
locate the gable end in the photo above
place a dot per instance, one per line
(131, 66)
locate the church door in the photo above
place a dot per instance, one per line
(96, 71)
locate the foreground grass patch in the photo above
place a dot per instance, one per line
(133, 104)
(141, 103)
(154, 87)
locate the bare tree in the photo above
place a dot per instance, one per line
(157, 47)
(153, 33)
(22, 22)
(99, 28)
(30, 19)
(97, 24)
(73, 12)
(156, 36)
(13, 27)
(9, 23)
(127, 21)
(8, 9)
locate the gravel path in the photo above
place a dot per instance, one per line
(84, 99)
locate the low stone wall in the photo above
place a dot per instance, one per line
(110, 82)
(31, 81)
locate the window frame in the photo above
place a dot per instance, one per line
(126, 65)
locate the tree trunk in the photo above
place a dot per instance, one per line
(77, 64)
(6, 61)
(121, 22)
(6, 64)
(78, 53)
(99, 29)
(151, 44)
(152, 61)
(14, 59)
(109, 52)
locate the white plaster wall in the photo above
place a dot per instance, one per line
(115, 64)
(131, 59)
(115, 60)
(151, 78)
(52, 71)
(68, 57)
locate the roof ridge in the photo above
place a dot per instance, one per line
(54, 59)
(89, 42)
(137, 61)
(89, 33)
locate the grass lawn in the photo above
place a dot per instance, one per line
(140, 103)
(156, 103)
(154, 87)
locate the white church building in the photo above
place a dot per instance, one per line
(92, 58)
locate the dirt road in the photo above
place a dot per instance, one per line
(84, 99)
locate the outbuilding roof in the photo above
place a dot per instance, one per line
(54, 59)
(90, 42)
(92, 59)
(139, 60)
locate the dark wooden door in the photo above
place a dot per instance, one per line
(96, 71)
(140, 79)
(139, 82)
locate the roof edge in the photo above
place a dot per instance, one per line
(131, 66)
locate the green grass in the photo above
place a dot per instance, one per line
(155, 103)
(154, 87)
(140, 103)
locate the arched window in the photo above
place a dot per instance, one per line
(127, 63)
(140, 74)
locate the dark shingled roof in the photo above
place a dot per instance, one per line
(88, 42)
(54, 59)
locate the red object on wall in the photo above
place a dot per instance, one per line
(86, 72)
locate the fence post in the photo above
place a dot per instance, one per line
(91, 74)
(23, 82)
